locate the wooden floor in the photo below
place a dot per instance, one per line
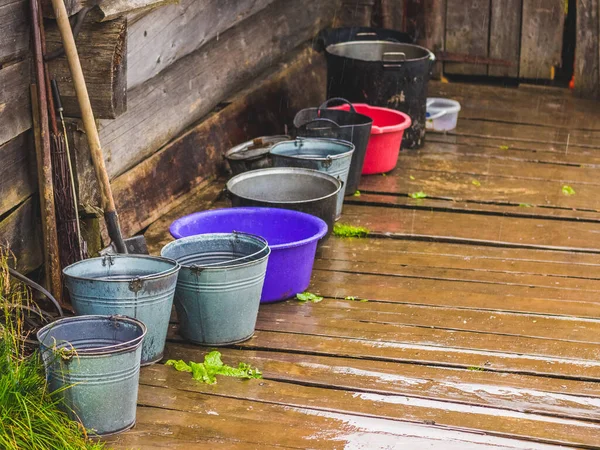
(482, 324)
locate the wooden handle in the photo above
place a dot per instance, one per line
(89, 123)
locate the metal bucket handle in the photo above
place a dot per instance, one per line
(393, 60)
(437, 115)
(200, 268)
(367, 33)
(376, 36)
(328, 161)
(325, 105)
(322, 120)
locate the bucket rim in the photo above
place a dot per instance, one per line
(283, 170)
(348, 152)
(268, 140)
(451, 106)
(214, 267)
(162, 274)
(366, 119)
(320, 223)
(97, 351)
(375, 129)
(429, 55)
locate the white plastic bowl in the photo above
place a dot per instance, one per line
(442, 114)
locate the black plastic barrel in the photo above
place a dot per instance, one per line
(348, 126)
(382, 73)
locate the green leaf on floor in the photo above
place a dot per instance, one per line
(525, 205)
(180, 365)
(419, 194)
(212, 366)
(308, 297)
(476, 369)
(343, 230)
(504, 147)
(568, 190)
(355, 299)
(384, 174)
(412, 178)
(476, 183)
(356, 194)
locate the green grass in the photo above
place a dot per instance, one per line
(30, 416)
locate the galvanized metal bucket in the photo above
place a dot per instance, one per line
(252, 154)
(130, 285)
(219, 286)
(337, 123)
(93, 362)
(304, 190)
(325, 155)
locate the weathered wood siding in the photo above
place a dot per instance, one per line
(505, 36)
(14, 35)
(467, 31)
(541, 37)
(102, 48)
(587, 57)
(15, 107)
(526, 33)
(191, 87)
(166, 35)
(180, 61)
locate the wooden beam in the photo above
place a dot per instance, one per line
(467, 32)
(159, 39)
(505, 36)
(15, 103)
(167, 104)
(541, 38)
(105, 9)
(197, 155)
(587, 50)
(14, 29)
(113, 9)
(102, 50)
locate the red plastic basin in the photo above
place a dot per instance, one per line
(386, 136)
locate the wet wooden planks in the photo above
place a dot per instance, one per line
(550, 108)
(479, 325)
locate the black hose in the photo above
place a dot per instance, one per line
(33, 285)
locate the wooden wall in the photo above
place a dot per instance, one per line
(527, 33)
(501, 38)
(177, 63)
(587, 57)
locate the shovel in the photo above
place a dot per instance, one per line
(136, 244)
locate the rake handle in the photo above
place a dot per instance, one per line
(89, 125)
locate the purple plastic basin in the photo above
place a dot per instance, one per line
(292, 237)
